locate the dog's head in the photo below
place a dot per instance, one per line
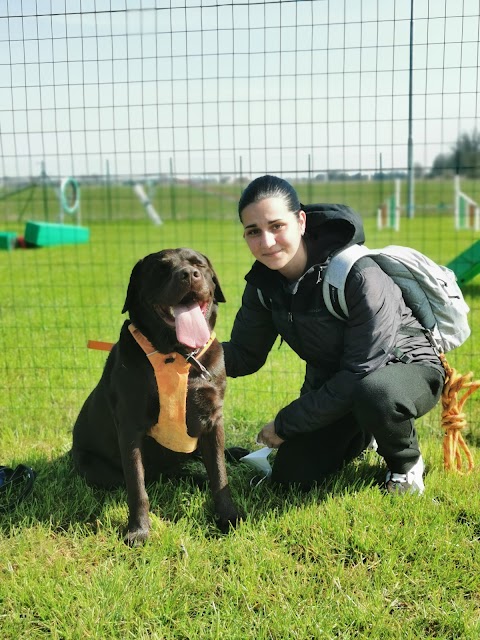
(172, 296)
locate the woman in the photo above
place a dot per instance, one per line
(355, 388)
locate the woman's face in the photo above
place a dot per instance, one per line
(274, 236)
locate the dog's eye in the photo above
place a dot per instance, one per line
(165, 265)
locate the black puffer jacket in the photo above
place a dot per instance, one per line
(337, 353)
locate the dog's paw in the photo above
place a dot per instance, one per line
(234, 454)
(136, 537)
(227, 522)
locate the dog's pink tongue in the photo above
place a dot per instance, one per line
(191, 326)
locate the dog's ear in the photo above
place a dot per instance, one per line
(132, 289)
(218, 295)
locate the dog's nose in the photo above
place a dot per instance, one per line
(190, 273)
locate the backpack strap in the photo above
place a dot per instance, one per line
(336, 276)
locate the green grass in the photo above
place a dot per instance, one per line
(342, 561)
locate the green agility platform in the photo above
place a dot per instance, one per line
(8, 240)
(49, 234)
(467, 265)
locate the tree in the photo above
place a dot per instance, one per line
(418, 170)
(442, 164)
(463, 159)
(466, 152)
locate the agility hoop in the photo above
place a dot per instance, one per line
(69, 198)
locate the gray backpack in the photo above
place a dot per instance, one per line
(430, 290)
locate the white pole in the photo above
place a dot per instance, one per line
(148, 206)
(456, 204)
(397, 204)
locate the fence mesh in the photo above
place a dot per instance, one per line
(116, 115)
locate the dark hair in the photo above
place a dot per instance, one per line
(269, 187)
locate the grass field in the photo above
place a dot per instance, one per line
(342, 561)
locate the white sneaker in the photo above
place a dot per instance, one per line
(410, 482)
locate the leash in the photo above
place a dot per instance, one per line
(99, 345)
(453, 418)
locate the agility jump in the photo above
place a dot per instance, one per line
(467, 211)
(388, 214)
(147, 204)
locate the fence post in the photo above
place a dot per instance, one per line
(173, 202)
(109, 191)
(44, 191)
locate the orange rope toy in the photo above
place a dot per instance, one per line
(453, 419)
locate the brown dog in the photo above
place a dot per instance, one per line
(129, 431)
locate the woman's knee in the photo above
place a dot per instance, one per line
(373, 397)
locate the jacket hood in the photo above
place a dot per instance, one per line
(331, 227)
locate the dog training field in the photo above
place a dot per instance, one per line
(341, 561)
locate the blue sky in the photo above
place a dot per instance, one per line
(215, 87)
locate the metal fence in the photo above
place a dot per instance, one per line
(173, 106)
(204, 89)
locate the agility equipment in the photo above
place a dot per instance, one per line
(467, 211)
(49, 234)
(466, 265)
(388, 214)
(8, 240)
(46, 234)
(147, 205)
(69, 197)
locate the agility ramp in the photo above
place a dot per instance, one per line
(466, 265)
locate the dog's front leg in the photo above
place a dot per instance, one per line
(138, 504)
(212, 443)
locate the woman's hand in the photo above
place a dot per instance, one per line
(268, 437)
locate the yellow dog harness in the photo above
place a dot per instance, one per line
(171, 373)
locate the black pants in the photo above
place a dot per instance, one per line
(385, 405)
